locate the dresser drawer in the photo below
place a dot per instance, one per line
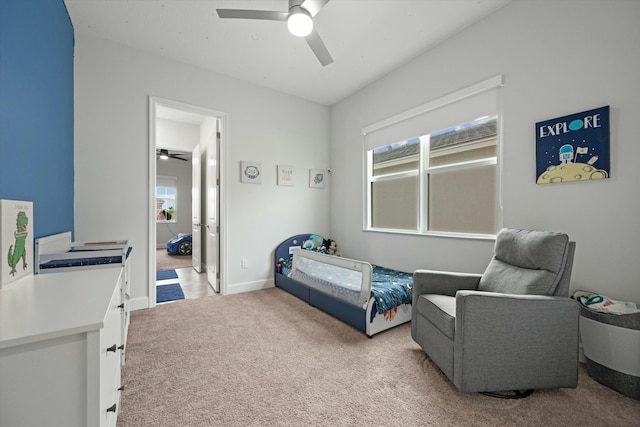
(111, 346)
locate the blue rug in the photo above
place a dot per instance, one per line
(170, 292)
(166, 274)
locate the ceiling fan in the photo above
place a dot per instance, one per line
(299, 21)
(164, 155)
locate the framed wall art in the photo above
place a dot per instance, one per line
(16, 240)
(573, 147)
(317, 178)
(251, 172)
(286, 175)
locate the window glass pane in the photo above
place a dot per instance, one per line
(399, 157)
(463, 201)
(394, 203)
(466, 142)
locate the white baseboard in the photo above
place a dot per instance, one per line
(142, 303)
(257, 285)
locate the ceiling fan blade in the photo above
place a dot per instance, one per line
(314, 6)
(175, 156)
(319, 49)
(268, 15)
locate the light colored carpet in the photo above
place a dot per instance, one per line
(265, 358)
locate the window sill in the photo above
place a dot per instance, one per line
(446, 234)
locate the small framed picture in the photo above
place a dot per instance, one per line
(251, 172)
(286, 175)
(317, 178)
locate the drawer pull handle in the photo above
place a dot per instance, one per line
(112, 408)
(112, 348)
(121, 388)
(121, 306)
(121, 347)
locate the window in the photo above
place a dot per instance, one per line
(166, 198)
(440, 181)
(395, 183)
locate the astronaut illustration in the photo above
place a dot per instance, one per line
(566, 154)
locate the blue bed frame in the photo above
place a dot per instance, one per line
(348, 313)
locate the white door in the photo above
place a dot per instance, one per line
(196, 224)
(212, 185)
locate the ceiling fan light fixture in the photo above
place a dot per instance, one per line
(299, 22)
(164, 154)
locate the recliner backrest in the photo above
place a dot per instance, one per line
(527, 262)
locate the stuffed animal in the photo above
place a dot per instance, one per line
(333, 247)
(284, 266)
(314, 243)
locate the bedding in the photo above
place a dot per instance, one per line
(371, 298)
(390, 288)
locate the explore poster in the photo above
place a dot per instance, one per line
(573, 147)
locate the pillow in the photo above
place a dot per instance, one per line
(526, 262)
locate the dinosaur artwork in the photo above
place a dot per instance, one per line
(16, 240)
(19, 251)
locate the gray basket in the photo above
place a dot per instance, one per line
(611, 344)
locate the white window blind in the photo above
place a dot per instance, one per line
(465, 105)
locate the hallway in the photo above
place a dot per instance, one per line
(193, 284)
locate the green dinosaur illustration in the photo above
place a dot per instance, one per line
(19, 251)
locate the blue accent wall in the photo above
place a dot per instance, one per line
(36, 110)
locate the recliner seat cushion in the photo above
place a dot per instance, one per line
(526, 262)
(440, 310)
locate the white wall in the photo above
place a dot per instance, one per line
(112, 86)
(177, 135)
(557, 58)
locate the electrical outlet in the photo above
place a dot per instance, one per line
(245, 263)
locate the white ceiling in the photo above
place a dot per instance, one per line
(367, 38)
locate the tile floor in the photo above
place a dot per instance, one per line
(194, 285)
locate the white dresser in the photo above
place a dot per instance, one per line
(61, 347)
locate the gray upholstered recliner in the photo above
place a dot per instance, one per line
(511, 328)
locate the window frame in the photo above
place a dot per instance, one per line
(424, 170)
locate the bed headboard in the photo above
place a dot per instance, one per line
(285, 249)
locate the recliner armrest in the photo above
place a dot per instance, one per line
(443, 282)
(471, 302)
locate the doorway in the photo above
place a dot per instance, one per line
(174, 192)
(187, 137)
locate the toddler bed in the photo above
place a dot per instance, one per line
(369, 298)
